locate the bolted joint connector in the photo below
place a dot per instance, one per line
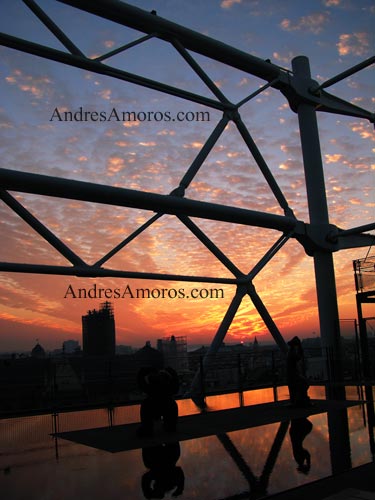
(232, 114)
(319, 238)
(178, 191)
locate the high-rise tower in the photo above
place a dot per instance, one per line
(98, 331)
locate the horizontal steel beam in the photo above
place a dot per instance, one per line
(357, 230)
(136, 18)
(77, 61)
(354, 237)
(95, 272)
(145, 22)
(278, 78)
(14, 180)
(355, 241)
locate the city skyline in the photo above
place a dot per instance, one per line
(45, 130)
(130, 349)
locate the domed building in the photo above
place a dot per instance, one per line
(147, 356)
(38, 352)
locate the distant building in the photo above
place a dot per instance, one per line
(124, 350)
(98, 332)
(174, 350)
(255, 345)
(38, 352)
(147, 356)
(70, 346)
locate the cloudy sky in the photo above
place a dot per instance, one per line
(153, 155)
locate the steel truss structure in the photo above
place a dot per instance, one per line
(305, 96)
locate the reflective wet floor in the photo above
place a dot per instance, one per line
(249, 463)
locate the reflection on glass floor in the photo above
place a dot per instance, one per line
(250, 463)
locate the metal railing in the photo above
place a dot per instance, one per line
(56, 384)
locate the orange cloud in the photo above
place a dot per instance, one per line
(193, 145)
(227, 4)
(115, 164)
(357, 44)
(363, 130)
(314, 23)
(333, 158)
(109, 44)
(37, 86)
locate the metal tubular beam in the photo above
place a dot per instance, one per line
(339, 440)
(42, 230)
(266, 317)
(199, 71)
(139, 19)
(332, 104)
(47, 21)
(238, 459)
(123, 48)
(201, 156)
(258, 486)
(268, 256)
(357, 230)
(245, 134)
(186, 180)
(95, 272)
(127, 240)
(217, 342)
(102, 69)
(345, 74)
(254, 94)
(355, 241)
(98, 193)
(211, 246)
(318, 211)
(274, 453)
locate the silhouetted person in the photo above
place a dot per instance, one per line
(164, 475)
(299, 429)
(296, 376)
(160, 385)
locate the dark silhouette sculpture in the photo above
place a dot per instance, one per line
(299, 429)
(163, 475)
(160, 385)
(296, 375)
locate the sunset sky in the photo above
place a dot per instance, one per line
(154, 155)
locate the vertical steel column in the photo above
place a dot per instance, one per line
(319, 220)
(339, 440)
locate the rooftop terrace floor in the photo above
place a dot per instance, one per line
(239, 448)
